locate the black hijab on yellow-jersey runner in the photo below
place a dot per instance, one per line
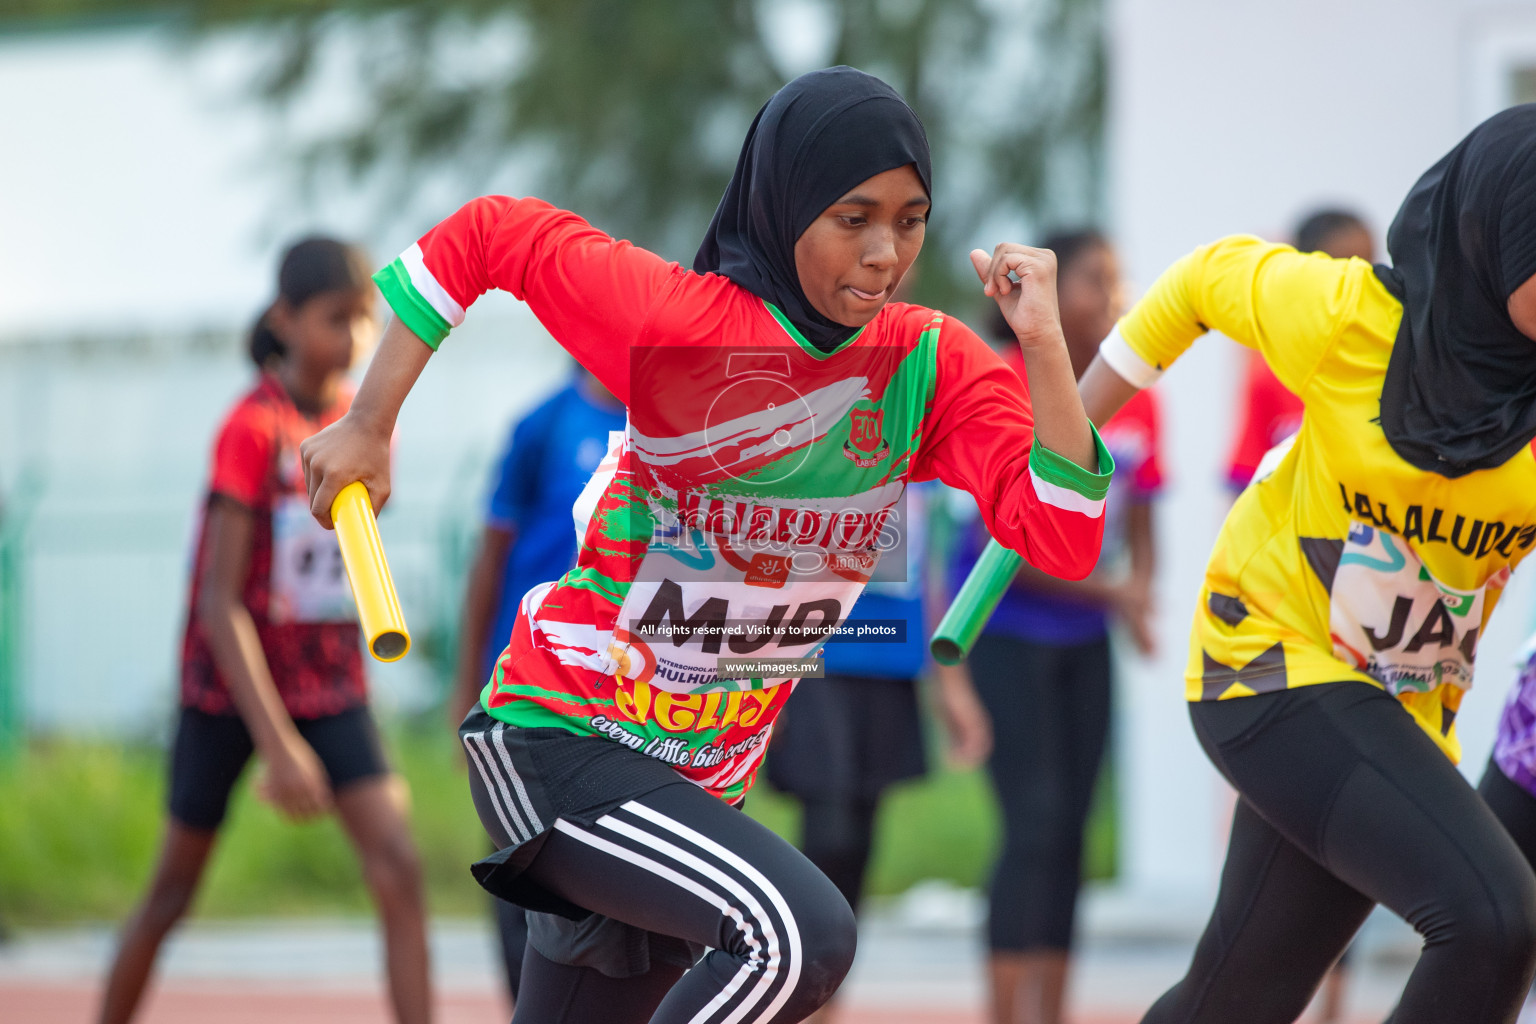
(1460, 387)
(812, 142)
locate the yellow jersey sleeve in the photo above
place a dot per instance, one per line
(1289, 305)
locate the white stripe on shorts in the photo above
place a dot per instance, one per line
(495, 786)
(499, 735)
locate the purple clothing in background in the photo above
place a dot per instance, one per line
(1514, 751)
(1133, 438)
(1027, 614)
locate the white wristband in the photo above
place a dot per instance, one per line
(1123, 360)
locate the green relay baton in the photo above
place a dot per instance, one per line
(973, 606)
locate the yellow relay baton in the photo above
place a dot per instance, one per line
(378, 607)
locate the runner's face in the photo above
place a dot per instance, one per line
(330, 330)
(1091, 298)
(1350, 241)
(854, 255)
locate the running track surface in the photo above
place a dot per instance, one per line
(243, 1003)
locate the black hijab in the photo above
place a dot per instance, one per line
(1460, 387)
(815, 139)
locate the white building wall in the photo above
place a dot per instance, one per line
(1234, 116)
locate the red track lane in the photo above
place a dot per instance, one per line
(243, 1003)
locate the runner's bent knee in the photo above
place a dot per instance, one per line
(830, 939)
(1492, 928)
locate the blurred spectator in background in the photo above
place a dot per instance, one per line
(271, 659)
(845, 739)
(1042, 669)
(1268, 413)
(529, 537)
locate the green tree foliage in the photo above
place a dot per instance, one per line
(631, 111)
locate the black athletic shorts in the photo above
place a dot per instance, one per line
(211, 752)
(522, 781)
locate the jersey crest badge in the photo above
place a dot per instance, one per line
(865, 445)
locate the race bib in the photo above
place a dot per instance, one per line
(309, 581)
(1395, 622)
(700, 596)
(673, 634)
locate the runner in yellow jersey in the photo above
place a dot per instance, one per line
(1338, 622)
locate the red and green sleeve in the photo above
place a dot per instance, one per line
(591, 291)
(982, 440)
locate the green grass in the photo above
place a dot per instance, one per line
(80, 826)
(942, 826)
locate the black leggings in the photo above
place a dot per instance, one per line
(682, 863)
(1346, 803)
(512, 931)
(837, 835)
(1049, 705)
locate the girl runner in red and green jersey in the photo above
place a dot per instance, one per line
(271, 661)
(779, 405)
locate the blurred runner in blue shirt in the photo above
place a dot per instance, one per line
(529, 538)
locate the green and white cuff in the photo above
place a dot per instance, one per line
(1064, 484)
(419, 301)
